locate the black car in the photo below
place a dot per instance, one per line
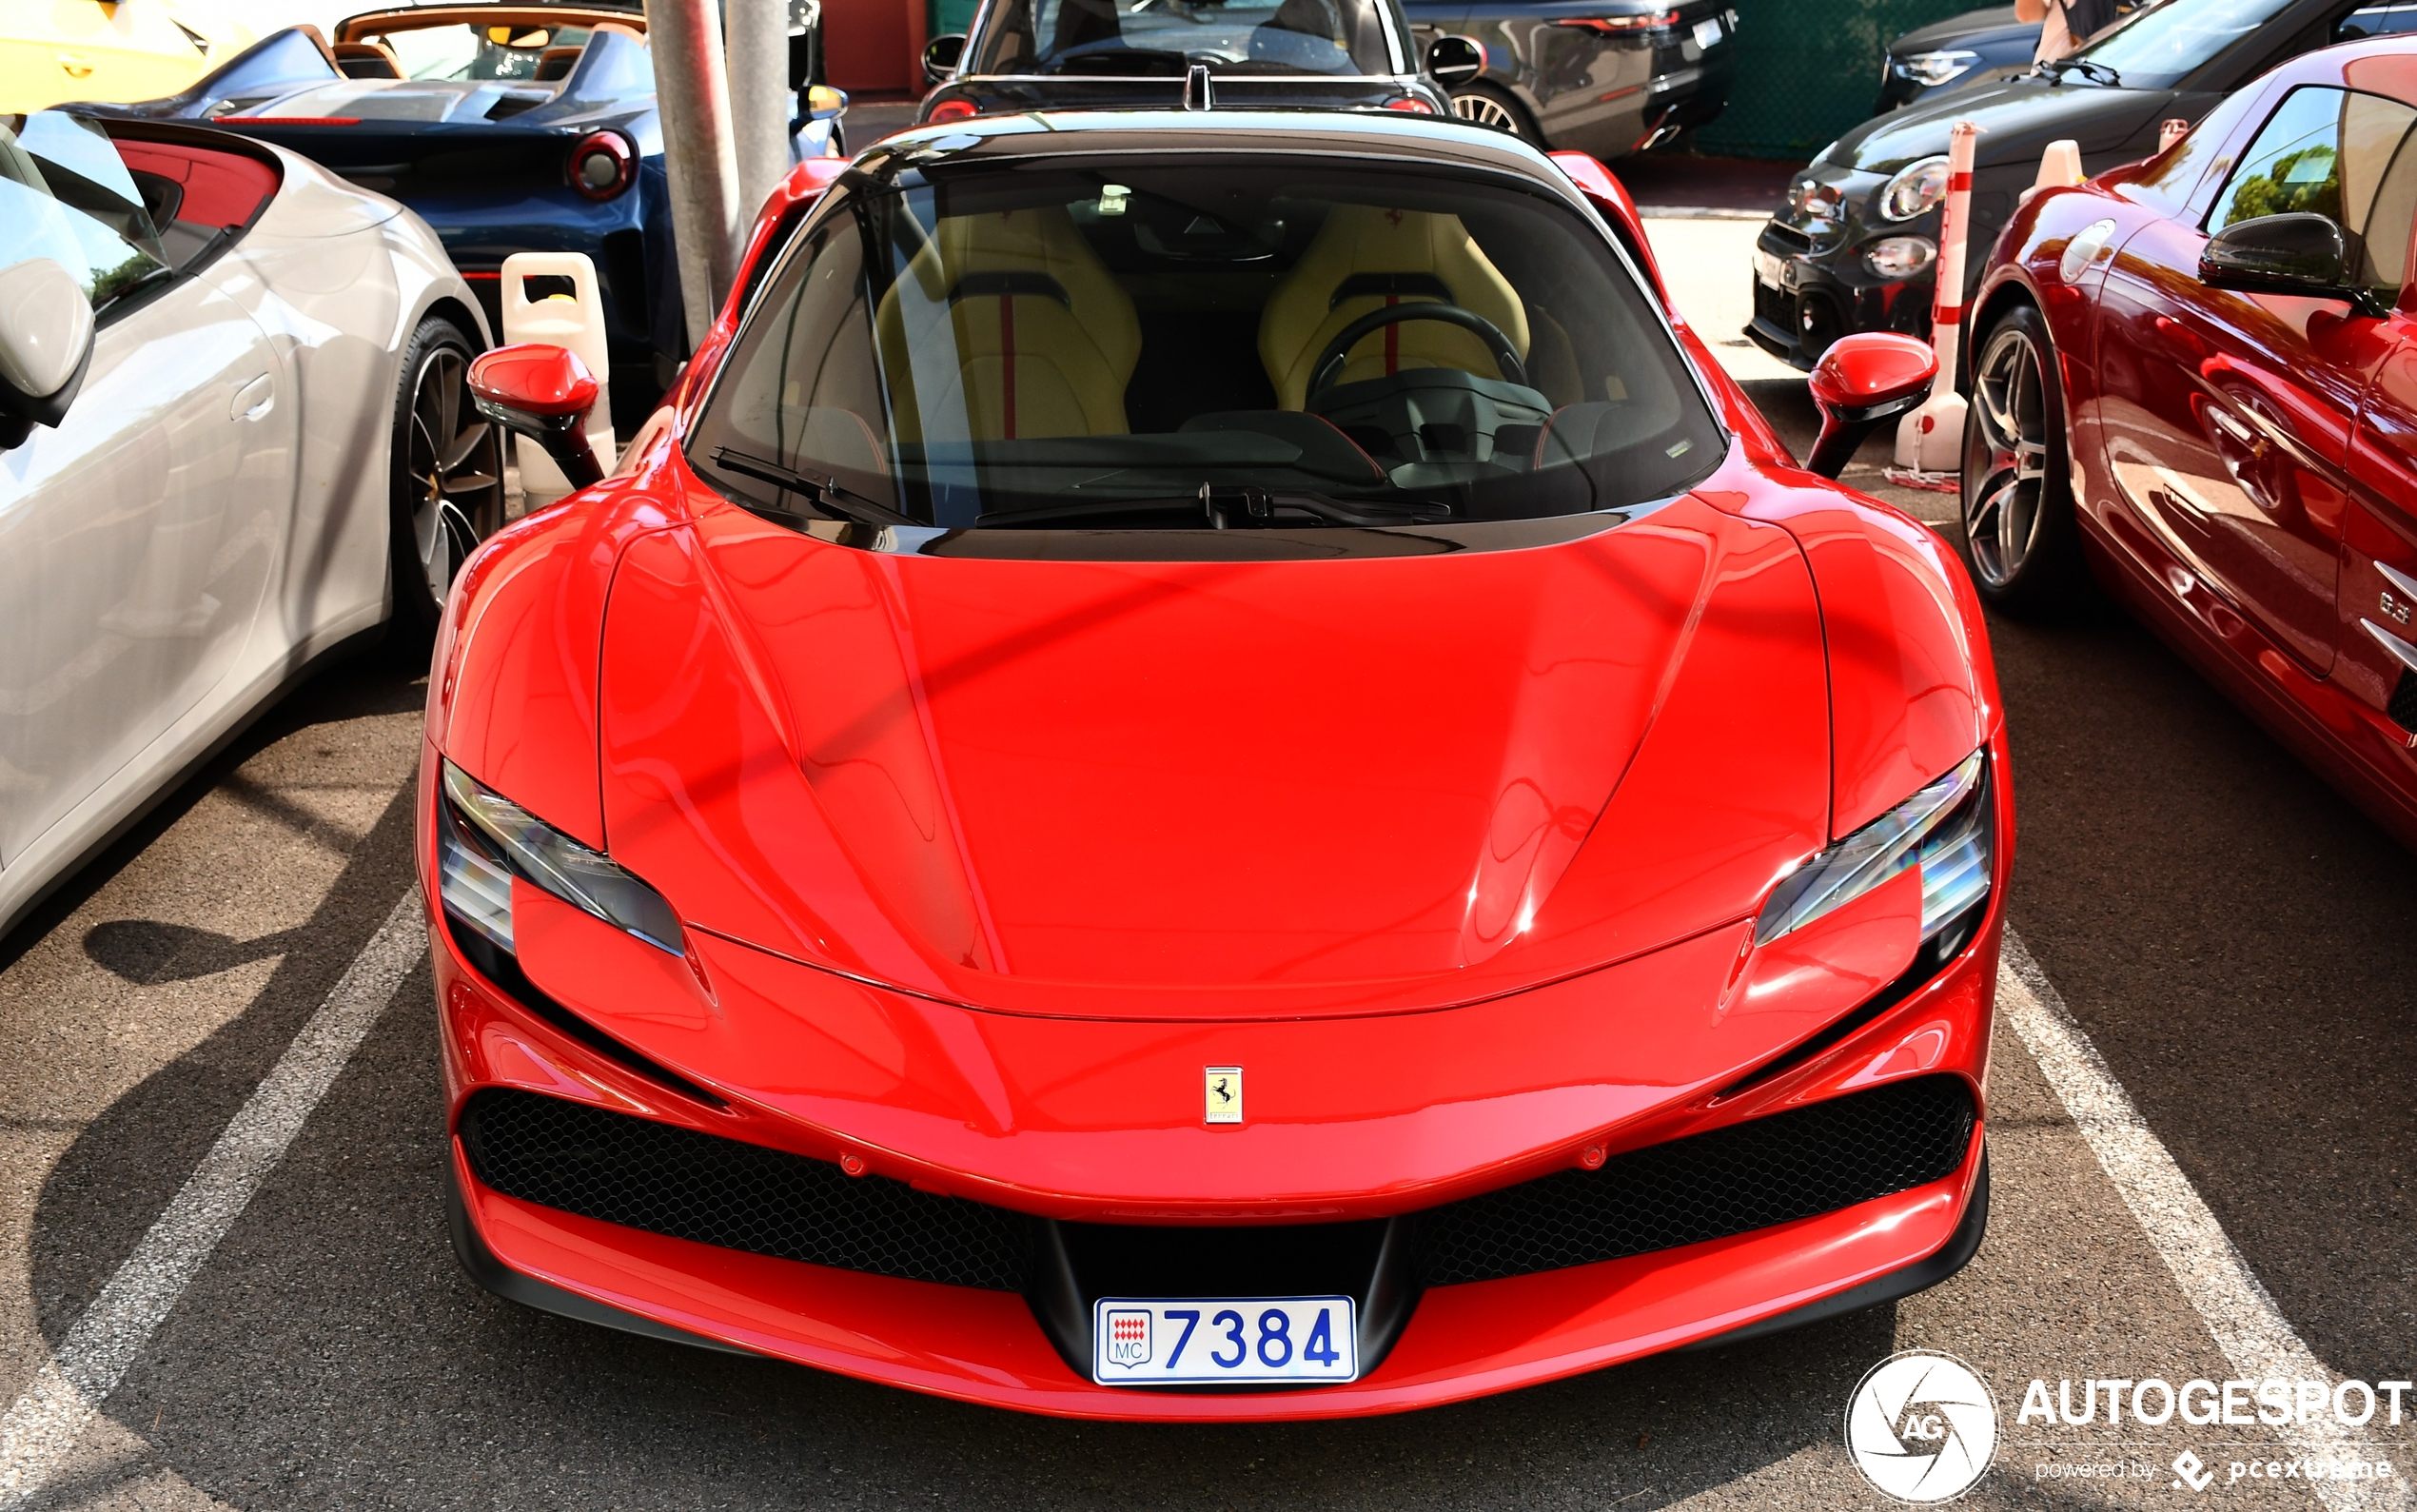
(1251, 54)
(1852, 247)
(1957, 53)
(1606, 78)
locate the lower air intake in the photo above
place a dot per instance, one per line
(1769, 1170)
(669, 1179)
(674, 1181)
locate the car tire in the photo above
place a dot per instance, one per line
(1489, 105)
(446, 488)
(2020, 539)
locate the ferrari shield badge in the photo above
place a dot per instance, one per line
(1129, 1338)
(1223, 1094)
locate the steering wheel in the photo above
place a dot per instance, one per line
(1330, 365)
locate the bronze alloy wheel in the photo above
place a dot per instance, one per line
(453, 469)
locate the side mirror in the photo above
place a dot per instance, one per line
(45, 343)
(545, 393)
(2298, 253)
(823, 103)
(1452, 60)
(1861, 381)
(940, 56)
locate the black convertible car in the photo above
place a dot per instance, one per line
(1158, 55)
(1609, 77)
(1852, 247)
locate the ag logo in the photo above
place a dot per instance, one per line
(1921, 1427)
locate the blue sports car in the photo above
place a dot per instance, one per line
(509, 129)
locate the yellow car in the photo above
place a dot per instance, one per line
(56, 51)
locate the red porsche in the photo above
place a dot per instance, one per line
(1208, 770)
(2198, 374)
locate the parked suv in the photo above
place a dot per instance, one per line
(1606, 79)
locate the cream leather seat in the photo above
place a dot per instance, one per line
(1363, 259)
(1014, 330)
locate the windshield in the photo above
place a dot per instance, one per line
(1214, 346)
(2163, 43)
(479, 52)
(1118, 38)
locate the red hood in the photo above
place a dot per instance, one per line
(1215, 789)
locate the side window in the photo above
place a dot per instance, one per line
(2383, 20)
(2337, 154)
(65, 194)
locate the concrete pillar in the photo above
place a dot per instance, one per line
(760, 101)
(708, 216)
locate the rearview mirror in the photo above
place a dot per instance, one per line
(545, 393)
(46, 342)
(1452, 60)
(1863, 381)
(823, 103)
(940, 56)
(2298, 253)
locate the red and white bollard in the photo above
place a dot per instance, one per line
(1930, 441)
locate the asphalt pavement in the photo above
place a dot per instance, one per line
(2228, 933)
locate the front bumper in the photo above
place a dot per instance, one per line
(1444, 1330)
(1825, 291)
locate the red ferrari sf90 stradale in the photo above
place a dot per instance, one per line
(1211, 771)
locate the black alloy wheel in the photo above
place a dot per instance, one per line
(449, 475)
(2020, 539)
(1485, 104)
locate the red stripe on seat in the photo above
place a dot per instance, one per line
(1007, 349)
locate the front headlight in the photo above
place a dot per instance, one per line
(485, 840)
(1944, 830)
(1929, 70)
(1899, 257)
(1917, 187)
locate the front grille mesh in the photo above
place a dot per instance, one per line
(1731, 1181)
(674, 1181)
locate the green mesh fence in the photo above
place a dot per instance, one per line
(1807, 69)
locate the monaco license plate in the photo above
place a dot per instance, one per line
(1708, 33)
(1137, 1341)
(1770, 270)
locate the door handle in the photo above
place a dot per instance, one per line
(253, 399)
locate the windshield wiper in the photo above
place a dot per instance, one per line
(823, 493)
(2095, 72)
(1225, 503)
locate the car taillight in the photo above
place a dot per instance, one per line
(952, 110)
(1644, 22)
(603, 164)
(1410, 105)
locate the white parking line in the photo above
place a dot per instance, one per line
(2230, 1299)
(42, 1428)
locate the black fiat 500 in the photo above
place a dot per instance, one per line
(1852, 247)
